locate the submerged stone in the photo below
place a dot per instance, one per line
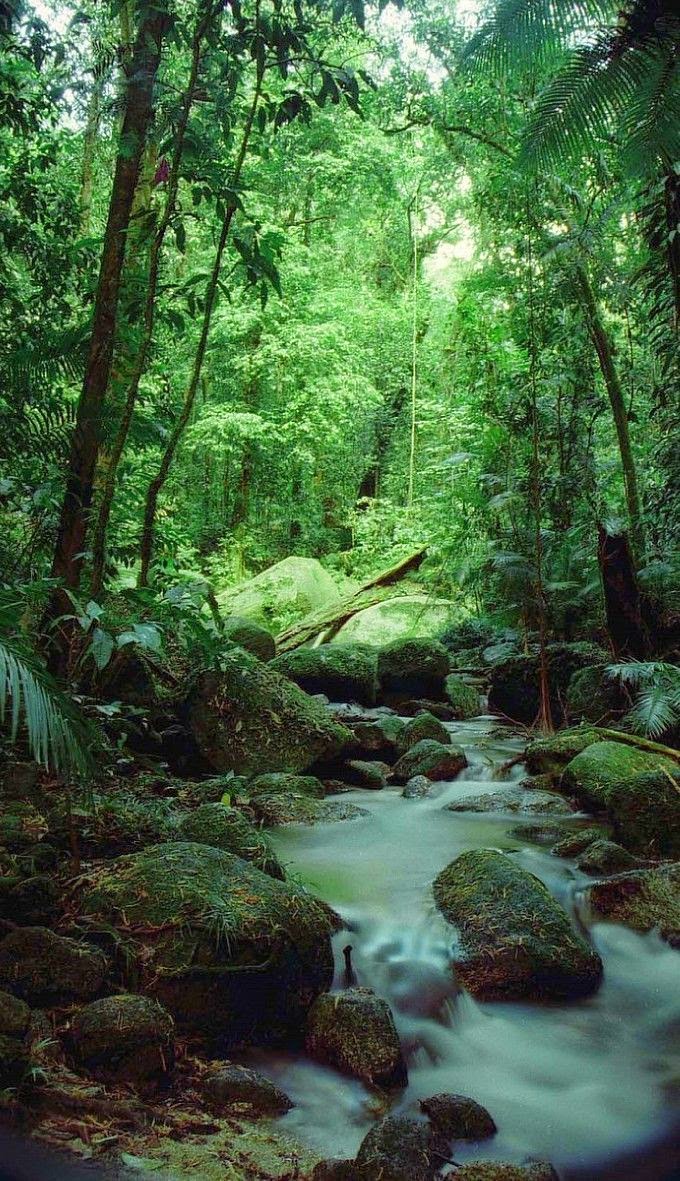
(417, 788)
(283, 808)
(513, 799)
(354, 1032)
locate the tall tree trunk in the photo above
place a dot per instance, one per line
(605, 354)
(91, 134)
(156, 485)
(149, 317)
(68, 556)
(630, 621)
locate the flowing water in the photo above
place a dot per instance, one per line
(568, 1082)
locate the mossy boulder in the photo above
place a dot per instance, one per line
(248, 634)
(227, 828)
(15, 1015)
(400, 618)
(249, 719)
(378, 739)
(639, 791)
(282, 594)
(44, 968)
(365, 773)
(282, 808)
(514, 689)
(605, 857)
(496, 1170)
(541, 832)
(593, 696)
(424, 725)
(400, 1149)
(124, 1039)
(28, 898)
(463, 697)
(228, 950)
(575, 842)
(413, 668)
(643, 899)
(354, 1032)
(513, 799)
(342, 672)
(280, 783)
(458, 1118)
(231, 1085)
(516, 940)
(433, 759)
(550, 755)
(14, 1063)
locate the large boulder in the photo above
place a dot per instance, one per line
(514, 689)
(605, 857)
(593, 696)
(379, 739)
(228, 829)
(280, 783)
(424, 725)
(550, 755)
(463, 697)
(516, 940)
(251, 636)
(458, 1118)
(342, 672)
(405, 617)
(226, 949)
(232, 1085)
(400, 1149)
(639, 790)
(433, 759)
(642, 899)
(354, 1032)
(413, 668)
(281, 594)
(44, 968)
(249, 719)
(513, 799)
(274, 809)
(124, 1039)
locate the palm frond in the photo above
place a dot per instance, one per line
(654, 712)
(523, 31)
(30, 696)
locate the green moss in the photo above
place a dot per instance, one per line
(430, 758)
(283, 808)
(576, 842)
(46, 968)
(362, 773)
(400, 1149)
(226, 828)
(424, 725)
(279, 782)
(249, 635)
(549, 756)
(354, 1032)
(343, 672)
(124, 1038)
(417, 668)
(642, 899)
(592, 697)
(463, 697)
(602, 857)
(516, 939)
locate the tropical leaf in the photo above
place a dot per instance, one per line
(30, 697)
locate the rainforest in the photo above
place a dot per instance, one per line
(340, 590)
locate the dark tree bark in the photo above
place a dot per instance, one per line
(384, 431)
(73, 525)
(630, 621)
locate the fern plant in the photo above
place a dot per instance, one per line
(656, 689)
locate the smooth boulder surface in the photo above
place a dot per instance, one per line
(424, 725)
(639, 791)
(433, 759)
(227, 828)
(413, 668)
(516, 940)
(514, 684)
(513, 799)
(43, 968)
(232, 1085)
(354, 1032)
(602, 857)
(251, 636)
(225, 948)
(400, 618)
(282, 594)
(463, 697)
(643, 899)
(249, 719)
(124, 1039)
(400, 1149)
(458, 1118)
(342, 672)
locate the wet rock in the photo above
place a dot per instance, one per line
(413, 668)
(21, 825)
(639, 791)
(15, 1015)
(335, 1170)
(424, 725)
(286, 808)
(400, 1149)
(576, 842)
(463, 697)
(124, 1039)
(514, 684)
(279, 783)
(14, 1063)
(549, 756)
(227, 828)
(592, 696)
(42, 967)
(605, 857)
(538, 833)
(251, 636)
(225, 948)
(249, 719)
(516, 940)
(458, 1118)
(432, 759)
(343, 672)
(361, 773)
(513, 799)
(495, 1170)
(422, 705)
(643, 899)
(232, 1085)
(417, 788)
(354, 1032)
(378, 739)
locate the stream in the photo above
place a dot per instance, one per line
(569, 1082)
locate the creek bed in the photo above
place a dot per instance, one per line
(570, 1081)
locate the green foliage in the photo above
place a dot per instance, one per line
(30, 699)
(656, 686)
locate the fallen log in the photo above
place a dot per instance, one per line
(330, 619)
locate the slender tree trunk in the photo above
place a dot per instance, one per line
(630, 620)
(68, 556)
(90, 137)
(605, 354)
(149, 316)
(156, 485)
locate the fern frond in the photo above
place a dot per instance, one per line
(29, 695)
(654, 712)
(523, 31)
